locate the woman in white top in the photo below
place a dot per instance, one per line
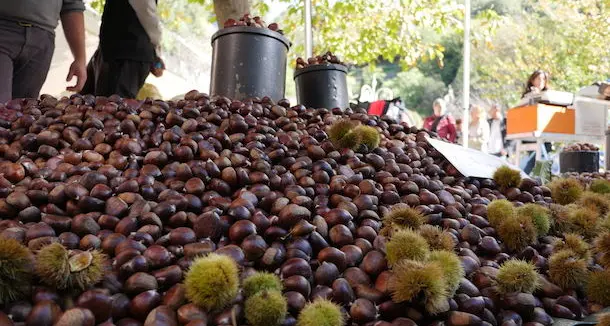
(478, 130)
(497, 132)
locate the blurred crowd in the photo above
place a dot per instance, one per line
(486, 129)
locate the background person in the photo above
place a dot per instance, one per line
(27, 42)
(458, 128)
(604, 91)
(598, 90)
(130, 36)
(441, 122)
(478, 129)
(497, 132)
(536, 83)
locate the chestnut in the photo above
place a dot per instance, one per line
(76, 317)
(98, 302)
(140, 282)
(296, 301)
(297, 283)
(120, 306)
(240, 230)
(5, 320)
(158, 256)
(175, 296)
(161, 315)
(342, 291)
(362, 311)
(296, 266)
(335, 256)
(142, 304)
(190, 312)
(44, 313)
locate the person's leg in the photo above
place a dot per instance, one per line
(6, 77)
(89, 87)
(132, 77)
(12, 38)
(531, 162)
(122, 77)
(106, 77)
(32, 65)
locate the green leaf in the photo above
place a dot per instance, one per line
(542, 169)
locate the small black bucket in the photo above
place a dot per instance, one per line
(249, 62)
(580, 161)
(322, 86)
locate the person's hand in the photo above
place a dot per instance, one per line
(158, 68)
(503, 152)
(78, 69)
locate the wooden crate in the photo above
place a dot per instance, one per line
(542, 118)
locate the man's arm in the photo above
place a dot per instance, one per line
(73, 23)
(146, 10)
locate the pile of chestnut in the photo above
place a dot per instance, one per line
(581, 147)
(256, 21)
(154, 184)
(326, 58)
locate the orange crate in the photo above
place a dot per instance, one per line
(540, 117)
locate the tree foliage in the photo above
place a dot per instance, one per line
(452, 60)
(567, 38)
(423, 38)
(502, 7)
(417, 90)
(364, 31)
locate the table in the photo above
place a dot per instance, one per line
(538, 138)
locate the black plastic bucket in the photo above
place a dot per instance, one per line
(248, 62)
(322, 86)
(580, 161)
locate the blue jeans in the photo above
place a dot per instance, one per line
(530, 162)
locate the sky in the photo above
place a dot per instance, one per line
(275, 9)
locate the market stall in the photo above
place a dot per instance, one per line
(239, 208)
(556, 117)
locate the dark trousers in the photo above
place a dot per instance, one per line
(25, 57)
(121, 77)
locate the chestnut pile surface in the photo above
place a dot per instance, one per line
(140, 190)
(256, 21)
(577, 147)
(326, 58)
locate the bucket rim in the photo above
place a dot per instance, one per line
(252, 30)
(320, 67)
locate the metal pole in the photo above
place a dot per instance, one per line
(607, 151)
(466, 66)
(308, 37)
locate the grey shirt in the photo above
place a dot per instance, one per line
(42, 13)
